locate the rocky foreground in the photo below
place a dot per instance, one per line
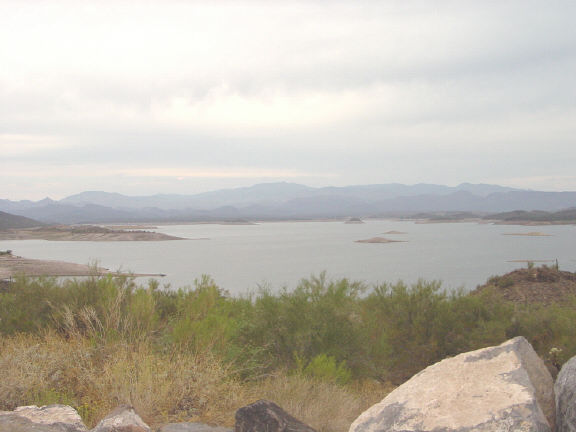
(502, 388)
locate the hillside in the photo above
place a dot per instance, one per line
(545, 285)
(10, 221)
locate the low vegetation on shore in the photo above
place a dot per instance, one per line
(325, 351)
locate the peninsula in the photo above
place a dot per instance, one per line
(12, 265)
(82, 233)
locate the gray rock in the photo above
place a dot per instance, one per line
(503, 388)
(565, 389)
(49, 418)
(122, 419)
(266, 416)
(192, 427)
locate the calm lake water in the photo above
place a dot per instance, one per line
(241, 257)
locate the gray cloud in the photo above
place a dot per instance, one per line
(337, 92)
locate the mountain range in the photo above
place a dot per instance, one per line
(289, 201)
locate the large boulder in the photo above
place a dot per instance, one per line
(122, 419)
(503, 388)
(565, 389)
(266, 416)
(49, 418)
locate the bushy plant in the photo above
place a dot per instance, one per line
(326, 368)
(319, 317)
(335, 331)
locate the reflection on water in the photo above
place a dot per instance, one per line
(242, 257)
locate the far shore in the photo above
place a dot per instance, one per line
(528, 234)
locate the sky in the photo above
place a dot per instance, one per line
(146, 97)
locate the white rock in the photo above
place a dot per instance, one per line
(565, 389)
(503, 388)
(46, 418)
(122, 419)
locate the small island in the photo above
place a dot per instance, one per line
(379, 240)
(354, 220)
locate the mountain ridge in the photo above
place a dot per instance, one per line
(285, 200)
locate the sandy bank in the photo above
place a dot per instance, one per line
(11, 265)
(82, 233)
(529, 234)
(379, 240)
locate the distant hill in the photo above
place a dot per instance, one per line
(567, 215)
(10, 221)
(270, 201)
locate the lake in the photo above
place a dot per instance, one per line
(277, 254)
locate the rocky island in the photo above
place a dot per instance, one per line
(379, 240)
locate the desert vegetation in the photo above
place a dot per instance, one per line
(324, 351)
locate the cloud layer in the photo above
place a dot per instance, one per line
(321, 92)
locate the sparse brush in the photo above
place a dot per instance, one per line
(326, 406)
(162, 386)
(198, 354)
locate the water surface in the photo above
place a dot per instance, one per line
(241, 257)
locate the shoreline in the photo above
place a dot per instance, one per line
(13, 265)
(83, 233)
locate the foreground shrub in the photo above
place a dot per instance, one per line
(324, 405)
(336, 331)
(410, 327)
(320, 317)
(162, 386)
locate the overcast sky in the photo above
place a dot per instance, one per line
(145, 97)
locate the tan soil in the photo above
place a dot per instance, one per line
(130, 227)
(82, 233)
(394, 232)
(530, 223)
(529, 234)
(14, 265)
(11, 266)
(441, 221)
(379, 240)
(537, 285)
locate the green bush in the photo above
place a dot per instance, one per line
(327, 368)
(330, 329)
(318, 317)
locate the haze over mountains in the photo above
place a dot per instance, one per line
(289, 201)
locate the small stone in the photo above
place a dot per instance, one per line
(266, 416)
(122, 419)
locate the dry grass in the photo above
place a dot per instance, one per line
(323, 405)
(95, 377)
